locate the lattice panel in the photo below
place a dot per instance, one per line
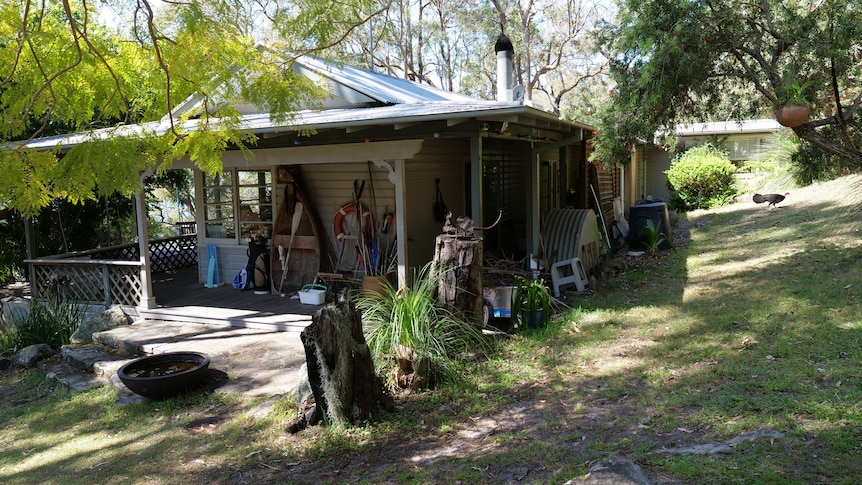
(126, 286)
(173, 253)
(126, 252)
(74, 282)
(104, 278)
(85, 283)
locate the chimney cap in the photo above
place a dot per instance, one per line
(503, 44)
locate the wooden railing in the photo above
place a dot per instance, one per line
(111, 275)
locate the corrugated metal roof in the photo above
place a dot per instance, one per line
(333, 118)
(403, 101)
(728, 127)
(381, 87)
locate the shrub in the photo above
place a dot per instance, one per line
(51, 322)
(701, 178)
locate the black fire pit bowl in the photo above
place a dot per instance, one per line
(164, 375)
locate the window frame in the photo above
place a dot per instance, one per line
(242, 215)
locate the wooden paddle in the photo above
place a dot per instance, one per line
(294, 225)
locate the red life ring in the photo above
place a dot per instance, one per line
(349, 208)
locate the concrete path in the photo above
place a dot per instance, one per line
(251, 361)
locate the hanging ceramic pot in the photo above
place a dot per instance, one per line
(792, 115)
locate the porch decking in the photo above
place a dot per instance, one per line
(181, 297)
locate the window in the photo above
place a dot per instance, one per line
(238, 203)
(255, 202)
(218, 205)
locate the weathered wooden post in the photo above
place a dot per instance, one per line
(458, 265)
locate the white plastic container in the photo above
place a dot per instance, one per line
(312, 294)
(501, 304)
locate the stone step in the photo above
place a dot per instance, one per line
(72, 378)
(94, 359)
(85, 366)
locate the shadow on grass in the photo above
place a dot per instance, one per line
(755, 322)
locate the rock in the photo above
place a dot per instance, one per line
(124, 395)
(14, 310)
(614, 471)
(87, 357)
(754, 435)
(72, 379)
(99, 322)
(304, 394)
(265, 408)
(28, 357)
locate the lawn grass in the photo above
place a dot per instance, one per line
(754, 322)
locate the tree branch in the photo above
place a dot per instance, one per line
(49, 79)
(151, 28)
(808, 133)
(98, 54)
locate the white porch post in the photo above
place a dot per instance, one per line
(533, 206)
(401, 222)
(476, 181)
(396, 176)
(148, 300)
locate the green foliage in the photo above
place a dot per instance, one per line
(12, 251)
(654, 238)
(677, 60)
(791, 91)
(531, 298)
(412, 317)
(811, 164)
(51, 322)
(62, 71)
(702, 177)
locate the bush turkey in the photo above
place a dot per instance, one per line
(771, 198)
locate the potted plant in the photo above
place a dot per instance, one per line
(531, 302)
(793, 109)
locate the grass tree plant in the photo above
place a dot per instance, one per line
(50, 321)
(409, 327)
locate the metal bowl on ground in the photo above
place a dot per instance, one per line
(164, 375)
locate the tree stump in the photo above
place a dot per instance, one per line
(458, 264)
(340, 369)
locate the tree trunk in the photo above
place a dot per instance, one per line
(458, 263)
(340, 368)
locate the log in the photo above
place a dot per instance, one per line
(340, 370)
(458, 265)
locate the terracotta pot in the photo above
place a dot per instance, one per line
(792, 115)
(374, 286)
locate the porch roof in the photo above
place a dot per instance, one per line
(263, 123)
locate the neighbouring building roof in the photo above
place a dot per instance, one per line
(728, 127)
